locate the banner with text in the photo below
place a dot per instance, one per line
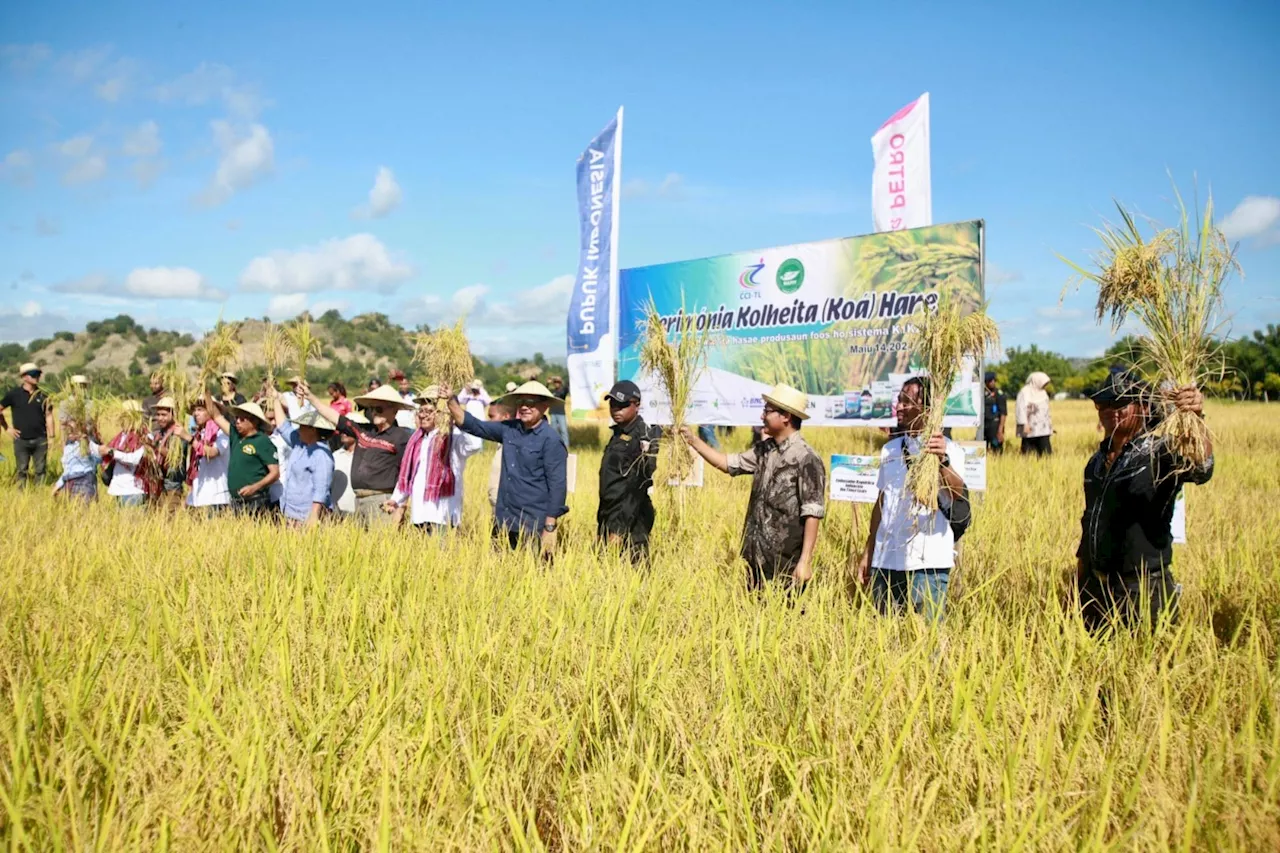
(592, 320)
(901, 184)
(834, 319)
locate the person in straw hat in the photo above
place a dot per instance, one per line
(341, 493)
(127, 461)
(379, 449)
(168, 455)
(32, 423)
(79, 479)
(533, 486)
(910, 549)
(788, 491)
(253, 465)
(308, 478)
(209, 458)
(430, 480)
(78, 399)
(228, 396)
(1123, 562)
(294, 403)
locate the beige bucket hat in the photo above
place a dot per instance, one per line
(166, 403)
(532, 388)
(314, 419)
(429, 394)
(788, 399)
(79, 379)
(384, 394)
(252, 410)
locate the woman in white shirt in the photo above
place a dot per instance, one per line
(1031, 412)
(126, 455)
(431, 472)
(210, 457)
(910, 549)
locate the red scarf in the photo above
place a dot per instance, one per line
(205, 436)
(440, 481)
(128, 442)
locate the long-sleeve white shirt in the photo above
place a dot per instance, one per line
(209, 488)
(124, 476)
(445, 510)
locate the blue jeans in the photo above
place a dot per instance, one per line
(923, 591)
(560, 423)
(131, 500)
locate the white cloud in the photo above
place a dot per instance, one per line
(1256, 216)
(286, 306)
(358, 262)
(671, 186)
(342, 306)
(145, 283)
(84, 163)
(83, 65)
(211, 82)
(18, 166)
(143, 141)
(545, 305)
(1057, 312)
(25, 57)
(170, 283)
(245, 159)
(998, 275)
(383, 198)
(111, 90)
(31, 308)
(109, 77)
(146, 171)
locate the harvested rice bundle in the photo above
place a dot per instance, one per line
(218, 352)
(946, 338)
(445, 356)
(675, 360)
(303, 344)
(1172, 284)
(72, 403)
(274, 349)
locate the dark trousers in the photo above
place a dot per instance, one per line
(1040, 445)
(994, 442)
(1127, 598)
(515, 537)
(30, 452)
(257, 505)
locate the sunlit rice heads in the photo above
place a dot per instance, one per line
(274, 349)
(303, 343)
(946, 338)
(445, 356)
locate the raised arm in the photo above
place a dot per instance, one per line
(717, 459)
(216, 413)
(325, 409)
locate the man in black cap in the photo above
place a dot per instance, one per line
(32, 424)
(995, 411)
(625, 516)
(1130, 486)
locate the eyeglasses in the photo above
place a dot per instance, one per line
(527, 404)
(770, 410)
(379, 409)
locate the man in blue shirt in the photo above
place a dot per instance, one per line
(308, 478)
(531, 492)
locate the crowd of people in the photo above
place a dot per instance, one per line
(397, 456)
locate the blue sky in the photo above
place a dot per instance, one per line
(418, 158)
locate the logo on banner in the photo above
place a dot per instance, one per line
(790, 275)
(748, 281)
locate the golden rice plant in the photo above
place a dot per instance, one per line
(445, 356)
(303, 343)
(218, 352)
(275, 347)
(946, 338)
(74, 405)
(675, 360)
(1171, 283)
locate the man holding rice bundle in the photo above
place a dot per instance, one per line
(79, 479)
(253, 466)
(910, 549)
(168, 472)
(431, 473)
(533, 487)
(788, 491)
(209, 457)
(379, 449)
(1130, 486)
(306, 496)
(625, 515)
(127, 459)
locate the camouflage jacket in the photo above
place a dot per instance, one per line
(789, 485)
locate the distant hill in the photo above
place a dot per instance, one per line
(119, 355)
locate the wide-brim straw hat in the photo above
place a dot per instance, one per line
(427, 395)
(252, 410)
(531, 389)
(315, 420)
(166, 403)
(29, 367)
(228, 375)
(384, 394)
(358, 418)
(79, 379)
(789, 400)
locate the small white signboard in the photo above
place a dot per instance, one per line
(853, 478)
(1179, 523)
(974, 469)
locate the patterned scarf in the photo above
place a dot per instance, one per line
(440, 481)
(204, 437)
(128, 442)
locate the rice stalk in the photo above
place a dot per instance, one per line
(675, 359)
(445, 356)
(218, 352)
(303, 344)
(74, 406)
(946, 338)
(1172, 284)
(274, 350)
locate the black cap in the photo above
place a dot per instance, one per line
(624, 391)
(990, 376)
(1120, 388)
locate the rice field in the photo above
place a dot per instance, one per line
(171, 684)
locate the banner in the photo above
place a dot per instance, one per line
(855, 478)
(593, 306)
(834, 319)
(901, 188)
